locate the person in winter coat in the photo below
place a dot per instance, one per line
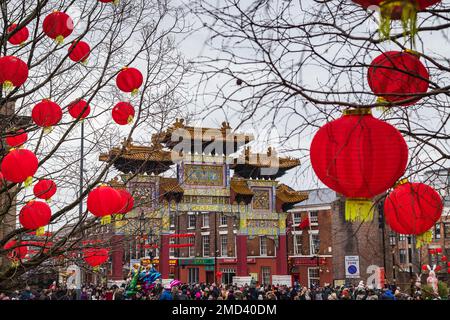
(167, 294)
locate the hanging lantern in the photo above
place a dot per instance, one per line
(126, 203)
(79, 108)
(17, 253)
(359, 157)
(394, 76)
(424, 268)
(114, 2)
(413, 208)
(432, 251)
(17, 139)
(104, 201)
(404, 10)
(58, 25)
(19, 37)
(44, 189)
(438, 250)
(19, 165)
(13, 72)
(46, 114)
(95, 256)
(129, 80)
(444, 258)
(123, 113)
(79, 51)
(35, 215)
(438, 268)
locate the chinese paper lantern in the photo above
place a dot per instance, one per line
(44, 189)
(46, 114)
(394, 76)
(19, 37)
(123, 113)
(95, 256)
(129, 80)
(79, 108)
(438, 250)
(126, 203)
(58, 25)
(104, 201)
(444, 258)
(432, 251)
(79, 51)
(17, 139)
(415, 207)
(438, 268)
(19, 165)
(35, 215)
(18, 253)
(425, 268)
(404, 10)
(115, 2)
(359, 157)
(13, 72)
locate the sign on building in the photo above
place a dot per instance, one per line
(282, 280)
(352, 267)
(242, 281)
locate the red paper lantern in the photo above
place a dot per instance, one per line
(416, 207)
(448, 264)
(44, 189)
(126, 201)
(115, 2)
(46, 113)
(19, 165)
(394, 76)
(129, 80)
(79, 51)
(438, 268)
(425, 268)
(17, 253)
(444, 258)
(104, 201)
(360, 157)
(17, 139)
(95, 257)
(123, 113)
(79, 108)
(19, 37)
(448, 270)
(438, 250)
(432, 251)
(35, 215)
(13, 72)
(58, 25)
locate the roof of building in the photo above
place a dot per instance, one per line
(241, 187)
(169, 185)
(317, 197)
(154, 152)
(265, 160)
(288, 195)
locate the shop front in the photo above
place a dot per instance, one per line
(196, 270)
(312, 271)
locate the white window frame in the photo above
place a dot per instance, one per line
(296, 244)
(263, 239)
(191, 250)
(171, 250)
(189, 221)
(222, 216)
(208, 253)
(222, 253)
(313, 278)
(311, 234)
(313, 223)
(264, 275)
(205, 220)
(296, 217)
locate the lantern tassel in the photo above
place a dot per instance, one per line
(48, 130)
(15, 264)
(116, 2)
(59, 39)
(408, 17)
(48, 200)
(28, 181)
(130, 119)
(134, 92)
(119, 217)
(84, 62)
(106, 219)
(424, 239)
(382, 100)
(8, 86)
(358, 210)
(40, 231)
(96, 269)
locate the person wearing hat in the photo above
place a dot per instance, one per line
(167, 293)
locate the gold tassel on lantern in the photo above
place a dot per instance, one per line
(40, 231)
(381, 100)
(358, 209)
(96, 269)
(106, 219)
(408, 16)
(130, 119)
(119, 217)
(8, 86)
(424, 239)
(28, 181)
(15, 264)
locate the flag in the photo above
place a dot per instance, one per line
(305, 223)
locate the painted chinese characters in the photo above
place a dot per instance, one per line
(208, 175)
(261, 199)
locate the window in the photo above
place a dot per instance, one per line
(191, 250)
(171, 250)
(227, 275)
(191, 221)
(224, 245)
(223, 220)
(297, 217)
(193, 275)
(205, 221)
(437, 231)
(297, 244)
(172, 220)
(402, 237)
(315, 243)
(205, 246)
(392, 239)
(262, 246)
(313, 277)
(446, 230)
(402, 255)
(314, 217)
(265, 275)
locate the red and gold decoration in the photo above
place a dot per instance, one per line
(18, 251)
(115, 2)
(359, 157)
(13, 72)
(19, 165)
(19, 37)
(123, 113)
(58, 26)
(413, 208)
(395, 76)
(46, 114)
(95, 257)
(35, 215)
(79, 51)
(79, 109)
(126, 203)
(45, 189)
(103, 202)
(129, 80)
(17, 139)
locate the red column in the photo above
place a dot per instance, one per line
(282, 268)
(117, 257)
(164, 256)
(241, 255)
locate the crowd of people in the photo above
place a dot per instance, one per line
(205, 291)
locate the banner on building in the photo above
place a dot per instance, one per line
(352, 267)
(282, 280)
(242, 281)
(73, 280)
